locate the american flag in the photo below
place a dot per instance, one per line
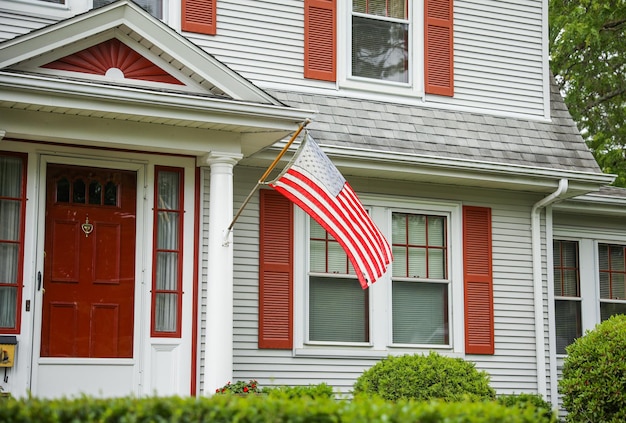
(312, 182)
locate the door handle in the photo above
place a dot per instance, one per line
(39, 281)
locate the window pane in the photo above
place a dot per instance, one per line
(617, 286)
(168, 231)
(8, 262)
(417, 263)
(10, 220)
(617, 258)
(379, 49)
(318, 256)
(337, 310)
(165, 312)
(8, 301)
(568, 323)
(570, 254)
(79, 192)
(605, 287)
(398, 222)
(154, 7)
(436, 264)
(420, 313)
(570, 283)
(10, 177)
(391, 8)
(168, 190)
(603, 256)
(436, 231)
(337, 258)
(610, 309)
(399, 261)
(110, 194)
(95, 192)
(167, 270)
(417, 229)
(63, 191)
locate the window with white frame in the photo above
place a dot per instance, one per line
(612, 279)
(338, 306)
(420, 287)
(380, 40)
(410, 307)
(567, 298)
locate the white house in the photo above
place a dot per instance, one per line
(131, 137)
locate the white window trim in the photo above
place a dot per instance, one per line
(588, 240)
(380, 344)
(415, 86)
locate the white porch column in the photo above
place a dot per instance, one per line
(218, 364)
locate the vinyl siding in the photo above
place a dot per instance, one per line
(512, 368)
(498, 49)
(13, 24)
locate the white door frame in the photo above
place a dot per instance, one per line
(103, 368)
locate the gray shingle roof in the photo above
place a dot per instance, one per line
(389, 127)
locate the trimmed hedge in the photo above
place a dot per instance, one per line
(257, 409)
(543, 407)
(425, 377)
(593, 385)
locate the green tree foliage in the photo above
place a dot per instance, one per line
(587, 45)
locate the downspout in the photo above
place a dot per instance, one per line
(535, 222)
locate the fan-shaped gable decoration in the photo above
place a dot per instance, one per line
(114, 59)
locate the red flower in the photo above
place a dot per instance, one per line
(245, 389)
(217, 390)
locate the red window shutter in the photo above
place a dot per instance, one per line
(275, 271)
(320, 28)
(478, 280)
(199, 16)
(438, 47)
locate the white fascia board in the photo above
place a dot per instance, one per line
(118, 100)
(455, 166)
(594, 204)
(394, 165)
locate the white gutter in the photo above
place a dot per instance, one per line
(535, 221)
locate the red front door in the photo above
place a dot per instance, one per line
(89, 270)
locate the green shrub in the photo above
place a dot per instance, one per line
(425, 377)
(321, 390)
(523, 401)
(257, 409)
(593, 385)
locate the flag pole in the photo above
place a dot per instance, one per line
(265, 175)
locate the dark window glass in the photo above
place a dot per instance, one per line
(63, 191)
(79, 191)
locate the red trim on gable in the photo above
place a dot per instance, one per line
(98, 59)
(439, 47)
(320, 39)
(275, 271)
(478, 280)
(199, 16)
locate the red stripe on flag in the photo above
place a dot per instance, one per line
(328, 216)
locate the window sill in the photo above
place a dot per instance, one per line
(345, 352)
